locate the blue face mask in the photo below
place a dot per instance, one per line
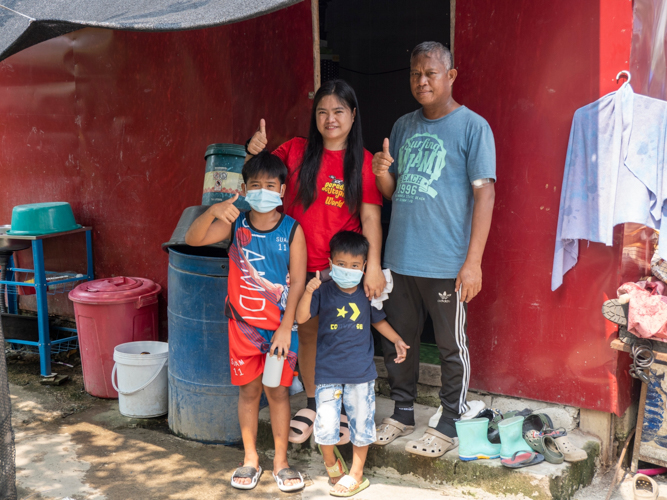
(263, 200)
(346, 278)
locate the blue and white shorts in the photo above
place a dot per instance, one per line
(359, 400)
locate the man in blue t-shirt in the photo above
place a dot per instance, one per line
(439, 168)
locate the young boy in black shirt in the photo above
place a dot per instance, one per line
(344, 367)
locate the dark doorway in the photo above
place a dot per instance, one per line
(368, 44)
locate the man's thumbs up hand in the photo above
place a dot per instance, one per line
(382, 160)
(385, 147)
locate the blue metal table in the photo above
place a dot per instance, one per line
(41, 284)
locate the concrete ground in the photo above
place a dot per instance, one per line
(70, 444)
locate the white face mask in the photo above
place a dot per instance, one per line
(263, 200)
(346, 278)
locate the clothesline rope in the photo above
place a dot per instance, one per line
(15, 12)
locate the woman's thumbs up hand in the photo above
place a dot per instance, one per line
(258, 142)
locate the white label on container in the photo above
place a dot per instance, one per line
(222, 181)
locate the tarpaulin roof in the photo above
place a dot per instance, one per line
(24, 23)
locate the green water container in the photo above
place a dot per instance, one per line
(223, 178)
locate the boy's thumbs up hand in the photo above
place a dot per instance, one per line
(258, 142)
(226, 211)
(314, 284)
(382, 160)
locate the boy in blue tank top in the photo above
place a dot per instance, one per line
(344, 367)
(267, 276)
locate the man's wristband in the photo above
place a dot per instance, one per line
(246, 146)
(479, 183)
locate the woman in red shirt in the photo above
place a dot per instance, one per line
(330, 188)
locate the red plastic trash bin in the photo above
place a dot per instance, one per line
(110, 312)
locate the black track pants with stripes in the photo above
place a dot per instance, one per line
(406, 308)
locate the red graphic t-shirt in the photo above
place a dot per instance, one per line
(328, 213)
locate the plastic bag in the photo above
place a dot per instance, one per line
(648, 57)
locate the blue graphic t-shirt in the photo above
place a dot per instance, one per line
(435, 163)
(344, 338)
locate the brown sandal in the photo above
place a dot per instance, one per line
(337, 470)
(391, 429)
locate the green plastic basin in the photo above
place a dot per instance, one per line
(42, 218)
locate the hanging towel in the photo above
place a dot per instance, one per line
(377, 303)
(613, 173)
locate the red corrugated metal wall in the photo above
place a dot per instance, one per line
(116, 123)
(526, 67)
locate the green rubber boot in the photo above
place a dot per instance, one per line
(511, 437)
(473, 441)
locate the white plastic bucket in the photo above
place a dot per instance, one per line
(142, 378)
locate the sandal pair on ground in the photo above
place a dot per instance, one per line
(301, 427)
(254, 474)
(339, 475)
(554, 444)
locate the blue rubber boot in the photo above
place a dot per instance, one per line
(511, 437)
(473, 441)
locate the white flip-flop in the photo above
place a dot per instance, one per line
(245, 473)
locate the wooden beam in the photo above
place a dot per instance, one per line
(452, 28)
(622, 346)
(315, 14)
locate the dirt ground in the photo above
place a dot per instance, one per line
(70, 444)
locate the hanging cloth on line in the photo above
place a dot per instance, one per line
(614, 173)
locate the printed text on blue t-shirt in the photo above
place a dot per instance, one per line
(420, 163)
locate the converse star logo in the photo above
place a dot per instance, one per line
(444, 297)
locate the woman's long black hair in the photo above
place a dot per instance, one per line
(354, 153)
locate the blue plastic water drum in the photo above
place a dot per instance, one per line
(203, 403)
(223, 178)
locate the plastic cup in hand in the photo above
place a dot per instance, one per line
(273, 370)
